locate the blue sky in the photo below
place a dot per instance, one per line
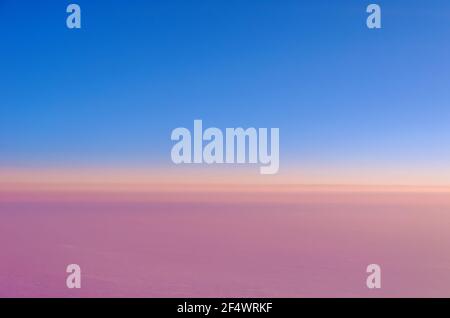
(112, 92)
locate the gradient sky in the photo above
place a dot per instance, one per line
(111, 93)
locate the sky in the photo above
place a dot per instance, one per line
(343, 96)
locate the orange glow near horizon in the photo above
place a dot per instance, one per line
(218, 180)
